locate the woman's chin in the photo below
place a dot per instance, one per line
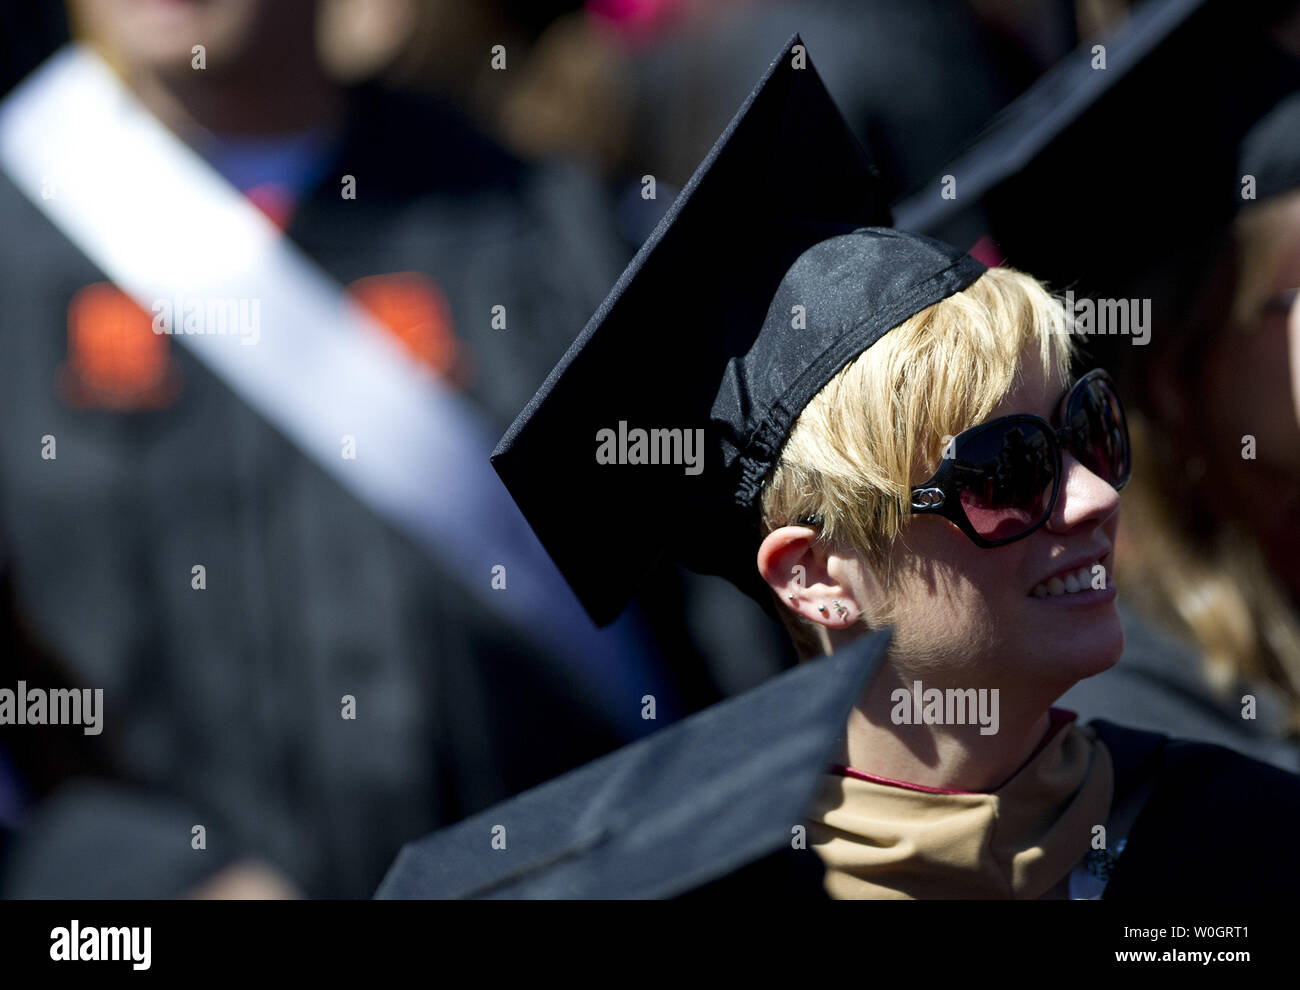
(1095, 652)
(1075, 650)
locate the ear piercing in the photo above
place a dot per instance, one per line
(840, 610)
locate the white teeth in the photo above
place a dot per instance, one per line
(1072, 583)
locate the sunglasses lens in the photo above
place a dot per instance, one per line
(1099, 433)
(1005, 476)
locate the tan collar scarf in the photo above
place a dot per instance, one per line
(894, 840)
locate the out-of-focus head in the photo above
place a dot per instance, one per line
(1213, 521)
(879, 428)
(1234, 414)
(1245, 390)
(159, 35)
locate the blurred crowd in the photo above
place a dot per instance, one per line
(508, 159)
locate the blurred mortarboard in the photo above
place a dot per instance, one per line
(1271, 151)
(766, 277)
(706, 805)
(1120, 180)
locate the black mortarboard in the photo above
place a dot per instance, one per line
(1271, 151)
(701, 805)
(763, 280)
(1119, 181)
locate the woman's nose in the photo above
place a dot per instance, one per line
(1084, 497)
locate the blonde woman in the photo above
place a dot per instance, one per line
(883, 432)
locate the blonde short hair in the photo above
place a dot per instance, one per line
(880, 425)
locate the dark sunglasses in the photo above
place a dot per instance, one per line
(999, 481)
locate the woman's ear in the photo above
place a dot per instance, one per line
(809, 578)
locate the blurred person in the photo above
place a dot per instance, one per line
(473, 52)
(1216, 535)
(564, 86)
(228, 692)
(360, 39)
(573, 96)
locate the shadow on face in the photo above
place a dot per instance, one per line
(969, 614)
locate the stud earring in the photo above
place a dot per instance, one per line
(840, 610)
(822, 610)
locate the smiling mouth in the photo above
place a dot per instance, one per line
(1073, 582)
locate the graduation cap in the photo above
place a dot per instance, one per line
(771, 271)
(1116, 173)
(1271, 151)
(710, 804)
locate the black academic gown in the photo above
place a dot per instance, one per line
(224, 705)
(1213, 824)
